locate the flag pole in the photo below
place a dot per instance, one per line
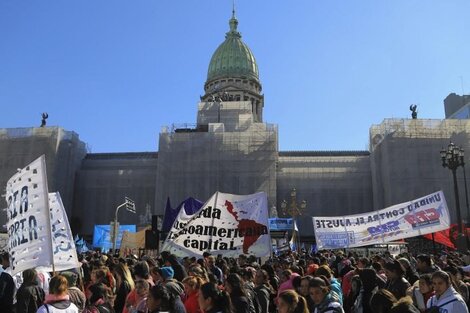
(48, 219)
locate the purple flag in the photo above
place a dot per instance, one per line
(190, 206)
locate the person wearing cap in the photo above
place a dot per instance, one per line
(76, 295)
(178, 269)
(174, 286)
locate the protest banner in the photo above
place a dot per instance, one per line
(132, 242)
(28, 218)
(409, 219)
(63, 244)
(226, 224)
(102, 236)
(280, 224)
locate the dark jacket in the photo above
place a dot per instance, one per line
(398, 287)
(29, 298)
(241, 304)
(7, 290)
(262, 294)
(121, 295)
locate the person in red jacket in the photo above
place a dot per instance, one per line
(192, 285)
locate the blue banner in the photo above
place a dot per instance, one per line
(280, 224)
(102, 236)
(190, 206)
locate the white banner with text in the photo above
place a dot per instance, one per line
(226, 224)
(28, 224)
(409, 219)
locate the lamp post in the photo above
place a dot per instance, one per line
(452, 158)
(130, 206)
(293, 209)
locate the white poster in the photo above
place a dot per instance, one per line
(29, 242)
(226, 224)
(418, 217)
(63, 244)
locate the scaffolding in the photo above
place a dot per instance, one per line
(231, 154)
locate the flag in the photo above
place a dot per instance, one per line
(63, 245)
(28, 218)
(189, 205)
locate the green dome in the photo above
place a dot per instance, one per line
(233, 58)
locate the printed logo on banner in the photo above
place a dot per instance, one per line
(424, 218)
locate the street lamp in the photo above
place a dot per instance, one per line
(293, 209)
(130, 206)
(452, 158)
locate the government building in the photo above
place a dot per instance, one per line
(229, 148)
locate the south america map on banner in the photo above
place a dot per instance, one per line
(226, 224)
(28, 224)
(409, 219)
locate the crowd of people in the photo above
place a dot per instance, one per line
(324, 282)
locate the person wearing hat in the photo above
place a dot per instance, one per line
(76, 295)
(179, 270)
(174, 286)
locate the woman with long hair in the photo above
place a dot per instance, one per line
(192, 285)
(320, 293)
(100, 299)
(396, 282)
(264, 291)
(291, 302)
(423, 292)
(238, 295)
(213, 300)
(124, 285)
(446, 298)
(58, 300)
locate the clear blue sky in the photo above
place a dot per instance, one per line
(117, 71)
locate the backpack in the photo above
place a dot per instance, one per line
(435, 309)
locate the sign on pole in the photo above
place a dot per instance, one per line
(28, 223)
(226, 224)
(409, 219)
